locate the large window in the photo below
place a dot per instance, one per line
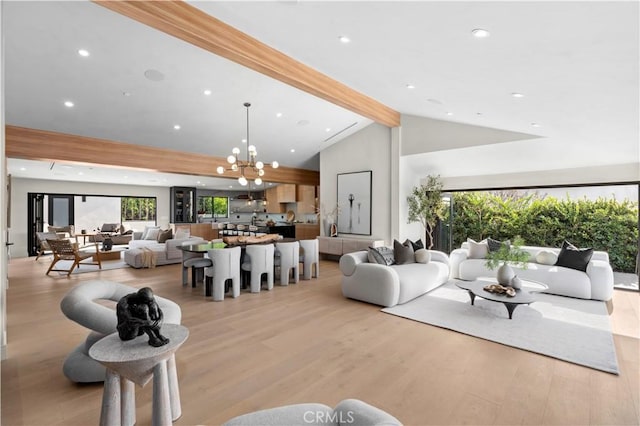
(138, 209)
(211, 206)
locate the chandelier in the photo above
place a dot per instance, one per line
(250, 163)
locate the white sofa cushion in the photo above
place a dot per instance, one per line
(546, 257)
(477, 250)
(422, 256)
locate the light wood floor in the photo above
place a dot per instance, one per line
(304, 343)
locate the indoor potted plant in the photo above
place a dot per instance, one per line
(426, 206)
(504, 257)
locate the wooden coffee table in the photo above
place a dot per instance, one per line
(524, 296)
(113, 254)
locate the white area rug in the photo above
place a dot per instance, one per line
(84, 268)
(573, 330)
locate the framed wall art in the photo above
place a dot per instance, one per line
(354, 200)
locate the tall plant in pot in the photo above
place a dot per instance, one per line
(504, 257)
(426, 206)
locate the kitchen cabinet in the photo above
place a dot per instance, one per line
(273, 205)
(306, 196)
(286, 193)
(307, 231)
(203, 230)
(183, 204)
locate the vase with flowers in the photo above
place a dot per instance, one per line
(506, 256)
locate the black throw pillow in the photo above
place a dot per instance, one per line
(494, 245)
(417, 245)
(403, 253)
(572, 257)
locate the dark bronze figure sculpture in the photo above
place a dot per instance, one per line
(139, 313)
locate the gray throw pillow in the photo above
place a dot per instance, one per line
(403, 253)
(381, 255)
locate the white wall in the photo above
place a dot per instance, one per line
(19, 208)
(3, 205)
(368, 149)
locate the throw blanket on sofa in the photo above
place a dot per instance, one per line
(148, 258)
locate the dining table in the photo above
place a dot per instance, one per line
(202, 248)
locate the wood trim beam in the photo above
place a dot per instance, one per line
(192, 25)
(42, 145)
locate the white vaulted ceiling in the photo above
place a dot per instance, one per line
(576, 63)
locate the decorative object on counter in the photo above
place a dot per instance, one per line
(516, 282)
(355, 189)
(107, 244)
(498, 289)
(333, 230)
(138, 313)
(248, 239)
(426, 206)
(250, 163)
(291, 216)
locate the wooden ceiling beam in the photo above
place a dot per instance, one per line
(194, 26)
(42, 145)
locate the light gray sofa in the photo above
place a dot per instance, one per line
(166, 253)
(351, 412)
(596, 283)
(391, 285)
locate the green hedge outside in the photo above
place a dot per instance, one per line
(604, 224)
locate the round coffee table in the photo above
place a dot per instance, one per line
(524, 296)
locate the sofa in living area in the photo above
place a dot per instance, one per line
(591, 280)
(387, 277)
(161, 244)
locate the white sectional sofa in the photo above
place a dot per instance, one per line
(596, 283)
(391, 285)
(166, 253)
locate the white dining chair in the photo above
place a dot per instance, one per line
(288, 261)
(310, 257)
(258, 260)
(225, 266)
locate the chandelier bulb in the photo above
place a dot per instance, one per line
(235, 151)
(234, 167)
(275, 165)
(252, 149)
(260, 172)
(220, 170)
(231, 159)
(259, 165)
(258, 181)
(242, 181)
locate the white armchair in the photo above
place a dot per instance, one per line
(225, 265)
(259, 260)
(310, 257)
(288, 260)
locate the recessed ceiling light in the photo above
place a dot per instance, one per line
(154, 75)
(328, 129)
(279, 115)
(244, 141)
(83, 52)
(293, 150)
(449, 113)
(480, 33)
(126, 94)
(410, 86)
(126, 177)
(535, 125)
(230, 186)
(80, 173)
(344, 39)
(68, 104)
(303, 122)
(23, 169)
(207, 92)
(478, 113)
(517, 95)
(177, 127)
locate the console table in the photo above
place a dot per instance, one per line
(338, 246)
(135, 361)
